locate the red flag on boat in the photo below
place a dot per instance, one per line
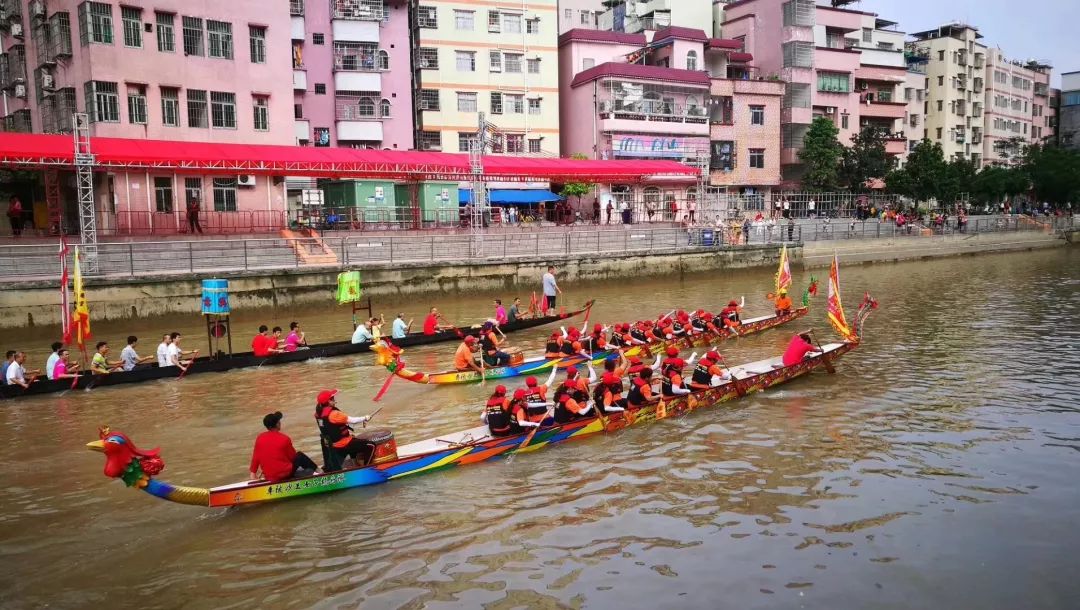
(65, 303)
(835, 310)
(783, 274)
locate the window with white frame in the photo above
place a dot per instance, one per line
(515, 143)
(586, 17)
(223, 109)
(257, 37)
(384, 108)
(220, 36)
(534, 105)
(494, 22)
(534, 145)
(534, 65)
(465, 140)
(132, 21)
(102, 101)
(496, 102)
(691, 60)
(136, 98)
(166, 43)
(757, 115)
(757, 158)
(429, 99)
(428, 17)
(261, 112)
(224, 194)
(170, 106)
(495, 61)
(466, 101)
(512, 62)
(163, 194)
(383, 59)
(464, 20)
(515, 103)
(465, 61)
(193, 36)
(587, 62)
(95, 23)
(511, 23)
(532, 26)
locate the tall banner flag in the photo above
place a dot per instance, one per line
(80, 319)
(65, 303)
(835, 311)
(783, 274)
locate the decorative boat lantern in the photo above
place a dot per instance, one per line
(215, 309)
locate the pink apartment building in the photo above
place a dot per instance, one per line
(680, 95)
(1017, 106)
(164, 70)
(352, 74)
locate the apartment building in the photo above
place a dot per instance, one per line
(915, 93)
(1017, 106)
(352, 75)
(580, 14)
(635, 16)
(502, 61)
(956, 88)
(1068, 111)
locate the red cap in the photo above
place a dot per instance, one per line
(714, 356)
(325, 396)
(470, 339)
(672, 351)
(500, 390)
(519, 393)
(610, 379)
(732, 303)
(573, 329)
(530, 381)
(635, 360)
(707, 316)
(571, 372)
(598, 328)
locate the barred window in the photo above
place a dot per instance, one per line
(512, 62)
(257, 34)
(495, 61)
(351, 56)
(170, 106)
(136, 99)
(515, 143)
(262, 113)
(534, 145)
(534, 105)
(163, 195)
(429, 58)
(95, 23)
(318, 38)
(132, 18)
(102, 101)
(515, 103)
(220, 34)
(534, 66)
(66, 106)
(430, 140)
(496, 102)
(193, 189)
(532, 26)
(60, 34)
(429, 99)
(193, 36)
(165, 40)
(466, 101)
(223, 109)
(465, 140)
(427, 17)
(224, 194)
(196, 108)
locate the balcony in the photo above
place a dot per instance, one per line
(366, 131)
(1042, 89)
(976, 136)
(360, 57)
(357, 81)
(299, 80)
(980, 60)
(976, 109)
(297, 29)
(358, 10)
(883, 110)
(296, 7)
(345, 30)
(619, 115)
(977, 84)
(895, 146)
(302, 130)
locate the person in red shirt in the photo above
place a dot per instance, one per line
(275, 456)
(264, 345)
(431, 322)
(799, 348)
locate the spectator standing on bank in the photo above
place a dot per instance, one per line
(746, 230)
(15, 215)
(193, 209)
(791, 229)
(811, 208)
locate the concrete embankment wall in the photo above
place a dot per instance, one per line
(35, 302)
(819, 254)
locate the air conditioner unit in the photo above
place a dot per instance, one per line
(47, 81)
(16, 30)
(830, 110)
(20, 90)
(245, 180)
(37, 8)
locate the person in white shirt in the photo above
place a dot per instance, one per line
(175, 355)
(362, 334)
(54, 357)
(811, 208)
(163, 350)
(400, 328)
(16, 374)
(129, 357)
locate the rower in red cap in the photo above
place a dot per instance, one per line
(528, 414)
(336, 438)
(671, 373)
(536, 392)
(708, 373)
(499, 415)
(463, 357)
(597, 340)
(608, 394)
(553, 349)
(730, 315)
(572, 400)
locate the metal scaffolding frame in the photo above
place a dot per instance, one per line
(479, 186)
(84, 171)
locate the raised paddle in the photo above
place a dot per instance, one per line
(194, 355)
(528, 439)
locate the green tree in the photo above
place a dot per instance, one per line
(864, 160)
(995, 182)
(958, 178)
(821, 155)
(921, 176)
(576, 189)
(1054, 173)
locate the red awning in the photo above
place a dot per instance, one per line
(40, 151)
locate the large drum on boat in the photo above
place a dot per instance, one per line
(215, 296)
(384, 448)
(516, 355)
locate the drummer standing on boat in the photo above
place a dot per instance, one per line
(551, 289)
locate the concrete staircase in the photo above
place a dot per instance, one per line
(309, 247)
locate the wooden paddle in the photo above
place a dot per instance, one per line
(528, 438)
(824, 357)
(194, 356)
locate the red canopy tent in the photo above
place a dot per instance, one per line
(18, 150)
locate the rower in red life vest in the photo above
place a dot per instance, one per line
(697, 323)
(682, 321)
(336, 434)
(607, 396)
(553, 349)
(671, 370)
(597, 340)
(708, 372)
(536, 392)
(528, 414)
(639, 334)
(730, 315)
(641, 391)
(499, 415)
(798, 349)
(572, 396)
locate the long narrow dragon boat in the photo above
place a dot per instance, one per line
(209, 364)
(391, 358)
(138, 468)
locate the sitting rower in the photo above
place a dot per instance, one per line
(641, 391)
(336, 436)
(99, 364)
(499, 416)
(597, 340)
(275, 456)
(489, 344)
(671, 370)
(535, 392)
(639, 334)
(608, 394)
(463, 357)
(731, 315)
(572, 401)
(698, 324)
(529, 414)
(553, 349)
(708, 373)
(783, 303)
(799, 348)
(620, 335)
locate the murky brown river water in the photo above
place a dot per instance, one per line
(938, 468)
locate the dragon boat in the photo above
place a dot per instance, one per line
(389, 462)
(209, 364)
(390, 357)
